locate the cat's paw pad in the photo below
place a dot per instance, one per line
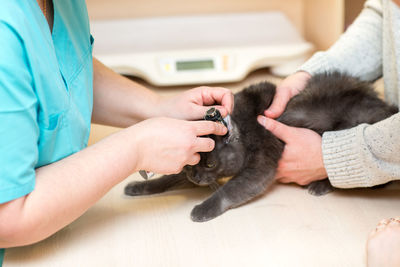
(319, 188)
(204, 212)
(135, 189)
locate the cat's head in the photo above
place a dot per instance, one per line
(225, 160)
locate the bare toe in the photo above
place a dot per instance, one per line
(384, 244)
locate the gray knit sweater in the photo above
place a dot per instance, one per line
(366, 155)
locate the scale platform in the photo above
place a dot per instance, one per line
(206, 49)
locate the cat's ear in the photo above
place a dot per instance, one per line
(233, 133)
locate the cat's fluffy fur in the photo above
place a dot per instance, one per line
(250, 154)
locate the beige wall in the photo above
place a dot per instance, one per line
(146, 8)
(320, 21)
(352, 9)
(323, 21)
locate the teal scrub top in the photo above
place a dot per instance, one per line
(46, 89)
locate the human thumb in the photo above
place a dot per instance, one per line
(278, 105)
(277, 128)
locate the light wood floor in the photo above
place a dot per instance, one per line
(284, 227)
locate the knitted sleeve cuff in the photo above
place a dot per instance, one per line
(341, 158)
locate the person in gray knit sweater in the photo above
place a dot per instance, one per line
(362, 156)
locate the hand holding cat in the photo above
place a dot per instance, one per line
(166, 145)
(193, 104)
(288, 88)
(301, 160)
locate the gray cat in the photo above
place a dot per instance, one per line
(249, 153)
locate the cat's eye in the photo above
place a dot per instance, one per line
(211, 164)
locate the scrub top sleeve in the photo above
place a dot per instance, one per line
(19, 130)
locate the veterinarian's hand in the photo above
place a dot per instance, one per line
(301, 160)
(166, 145)
(193, 104)
(287, 89)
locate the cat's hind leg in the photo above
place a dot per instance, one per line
(243, 187)
(158, 185)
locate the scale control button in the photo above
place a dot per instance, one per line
(225, 62)
(167, 67)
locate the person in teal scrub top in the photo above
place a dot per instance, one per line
(51, 89)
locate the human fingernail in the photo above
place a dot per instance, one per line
(223, 112)
(221, 129)
(271, 112)
(262, 120)
(224, 130)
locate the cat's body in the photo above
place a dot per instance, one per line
(250, 153)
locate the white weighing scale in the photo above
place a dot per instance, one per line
(203, 49)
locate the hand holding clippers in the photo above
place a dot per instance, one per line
(212, 114)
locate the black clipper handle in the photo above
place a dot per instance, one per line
(213, 114)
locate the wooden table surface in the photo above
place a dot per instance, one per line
(284, 227)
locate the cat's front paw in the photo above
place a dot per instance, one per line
(135, 189)
(205, 211)
(319, 188)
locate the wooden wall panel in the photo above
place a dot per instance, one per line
(323, 21)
